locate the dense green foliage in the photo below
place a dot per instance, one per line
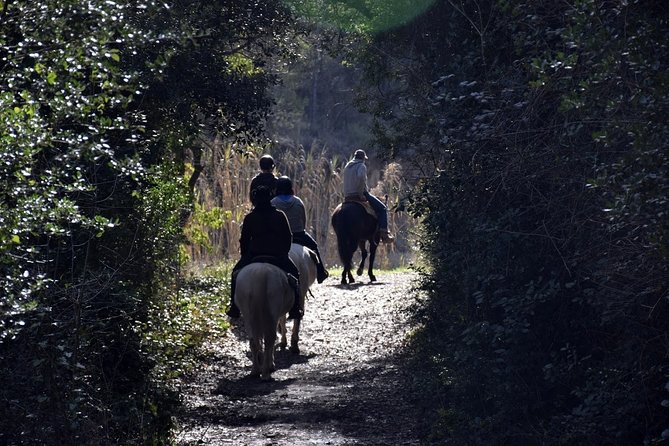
(539, 131)
(102, 105)
(542, 127)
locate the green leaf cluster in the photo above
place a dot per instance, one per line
(103, 104)
(361, 16)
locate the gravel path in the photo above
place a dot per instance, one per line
(348, 386)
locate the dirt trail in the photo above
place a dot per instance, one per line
(348, 386)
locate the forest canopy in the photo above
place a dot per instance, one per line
(358, 16)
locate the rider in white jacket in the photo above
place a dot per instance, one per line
(355, 188)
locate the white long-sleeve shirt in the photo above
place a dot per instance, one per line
(355, 178)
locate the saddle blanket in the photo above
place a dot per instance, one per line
(364, 204)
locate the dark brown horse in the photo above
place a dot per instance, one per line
(355, 227)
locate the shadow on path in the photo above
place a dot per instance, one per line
(351, 386)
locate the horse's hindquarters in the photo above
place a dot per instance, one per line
(263, 295)
(354, 227)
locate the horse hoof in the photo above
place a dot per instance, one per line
(295, 349)
(372, 278)
(359, 272)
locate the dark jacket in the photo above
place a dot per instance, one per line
(263, 179)
(265, 231)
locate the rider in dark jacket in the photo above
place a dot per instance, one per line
(266, 232)
(266, 176)
(293, 207)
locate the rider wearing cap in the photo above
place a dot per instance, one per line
(293, 207)
(266, 176)
(355, 188)
(266, 233)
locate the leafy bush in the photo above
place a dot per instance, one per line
(102, 104)
(194, 314)
(545, 214)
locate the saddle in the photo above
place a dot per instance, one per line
(360, 202)
(263, 259)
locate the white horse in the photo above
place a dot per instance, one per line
(263, 295)
(305, 259)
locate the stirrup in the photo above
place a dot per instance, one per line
(321, 272)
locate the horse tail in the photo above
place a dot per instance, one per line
(343, 242)
(333, 219)
(343, 256)
(257, 296)
(259, 314)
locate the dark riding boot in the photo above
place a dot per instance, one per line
(321, 272)
(295, 312)
(233, 311)
(385, 236)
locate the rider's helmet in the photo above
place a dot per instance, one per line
(261, 196)
(284, 186)
(360, 155)
(266, 162)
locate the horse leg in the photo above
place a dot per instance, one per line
(372, 256)
(268, 355)
(346, 273)
(256, 355)
(295, 337)
(282, 330)
(363, 253)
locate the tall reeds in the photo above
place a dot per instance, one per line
(224, 187)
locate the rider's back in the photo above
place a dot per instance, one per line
(264, 179)
(293, 207)
(266, 232)
(355, 178)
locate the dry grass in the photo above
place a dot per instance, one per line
(316, 177)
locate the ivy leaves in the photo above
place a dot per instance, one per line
(65, 100)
